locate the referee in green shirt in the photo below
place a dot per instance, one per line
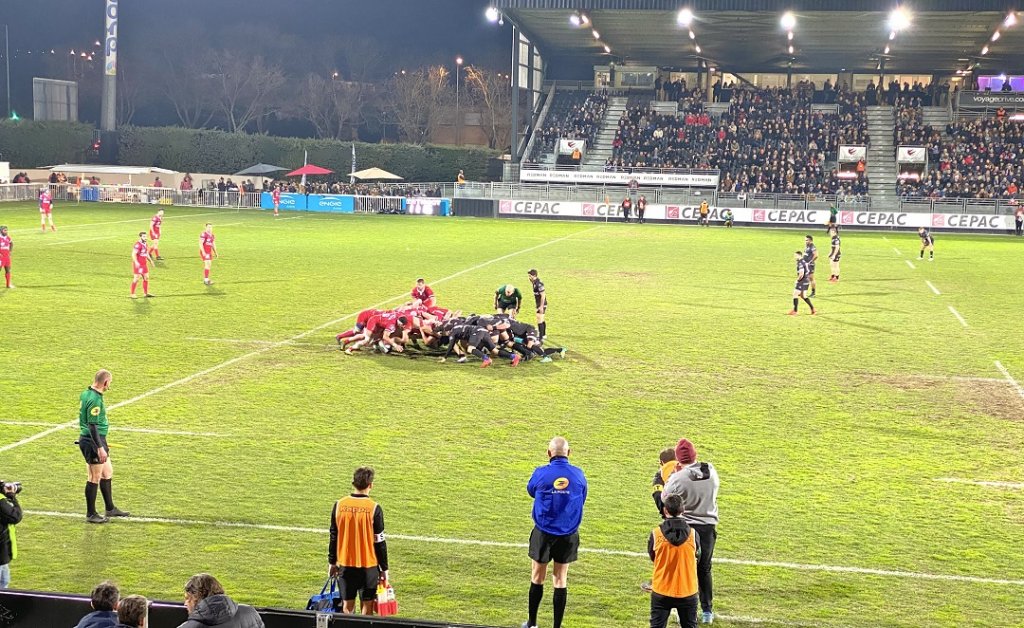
(508, 299)
(92, 440)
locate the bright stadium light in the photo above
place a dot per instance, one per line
(574, 19)
(995, 36)
(685, 17)
(887, 50)
(692, 36)
(791, 50)
(789, 35)
(584, 19)
(607, 49)
(788, 21)
(596, 34)
(697, 48)
(984, 51)
(899, 19)
(1011, 20)
(492, 14)
(892, 35)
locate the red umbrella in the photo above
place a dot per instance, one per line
(309, 169)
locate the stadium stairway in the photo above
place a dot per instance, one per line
(936, 117)
(601, 151)
(881, 166)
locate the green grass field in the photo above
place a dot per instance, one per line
(829, 432)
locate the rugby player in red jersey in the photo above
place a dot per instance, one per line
(140, 265)
(154, 235)
(276, 196)
(46, 209)
(207, 251)
(357, 330)
(384, 327)
(6, 246)
(423, 293)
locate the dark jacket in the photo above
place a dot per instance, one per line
(99, 619)
(10, 514)
(220, 610)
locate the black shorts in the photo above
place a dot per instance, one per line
(545, 547)
(542, 303)
(836, 258)
(801, 286)
(506, 307)
(89, 450)
(481, 339)
(810, 267)
(359, 580)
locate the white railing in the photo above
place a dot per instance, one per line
(378, 204)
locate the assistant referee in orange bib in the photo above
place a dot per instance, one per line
(357, 551)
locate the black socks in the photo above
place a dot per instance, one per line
(536, 595)
(105, 490)
(559, 598)
(90, 498)
(543, 329)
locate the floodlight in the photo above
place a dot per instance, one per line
(607, 49)
(692, 36)
(574, 19)
(899, 19)
(892, 35)
(887, 50)
(789, 35)
(596, 34)
(492, 14)
(984, 51)
(995, 36)
(697, 48)
(685, 17)
(791, 50)
(1011, 20)
(584, 19)
(788, 21)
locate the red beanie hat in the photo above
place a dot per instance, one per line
(686, 453)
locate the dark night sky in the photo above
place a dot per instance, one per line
(412, 32)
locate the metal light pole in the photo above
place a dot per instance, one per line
(458, 116)
(7, 60)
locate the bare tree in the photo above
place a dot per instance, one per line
(419, 100)
(186, 85)
(316, 105)
(127, 95)
(492, 93)
(247, 88)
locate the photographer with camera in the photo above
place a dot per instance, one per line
(10, 516)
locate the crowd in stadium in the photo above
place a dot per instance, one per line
(768, 141)
(981, 159)
(576, 115)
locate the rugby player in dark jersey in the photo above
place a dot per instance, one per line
(478, 341)
(927, 243)
(833, 255)
(800, 289)
(811, 257)
(541, 298)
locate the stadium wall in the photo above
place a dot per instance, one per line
(755, 217)
(30, 609)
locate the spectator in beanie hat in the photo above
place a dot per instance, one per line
(697, 484)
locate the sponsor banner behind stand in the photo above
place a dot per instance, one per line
(754, 216)
(288, 201)
(991, 99)
(620, 178)
(911, 154)
(852, 153)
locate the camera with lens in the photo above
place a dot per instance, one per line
(10, 487)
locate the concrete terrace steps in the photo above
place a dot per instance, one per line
(601, 151)
(881, 166)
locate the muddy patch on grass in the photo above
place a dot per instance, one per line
(979, 395)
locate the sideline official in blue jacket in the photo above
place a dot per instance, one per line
(559, 491)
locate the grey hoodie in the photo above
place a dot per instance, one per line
(697, 484)
(220, 610)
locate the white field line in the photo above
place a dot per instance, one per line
(243, 341)
(988, 483)
(897, 251)
(281, 343)
(117, 222)
(82, 240)
(140, 430)
(1009, 378)
(910, 263)
(933, 288)
(587, 550)
(957, 315)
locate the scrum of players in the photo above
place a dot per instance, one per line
(420, 327)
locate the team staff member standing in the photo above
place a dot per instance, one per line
(696, 483)
(559, 491)
(10, 516)
(92, 440)
(357, 552)
(675, 549)
(626, 206)
(641, 208)
(541, 298)
(6, 247)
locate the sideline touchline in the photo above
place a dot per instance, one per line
(585, 550)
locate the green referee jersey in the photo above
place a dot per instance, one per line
(504, 299)
(92, 410)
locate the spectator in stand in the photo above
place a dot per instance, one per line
(157, 183)
(186, 183)
(207, 606)
(104, 600)
(133, 612)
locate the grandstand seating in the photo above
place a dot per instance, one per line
(573, 114)
(767, 141)
(982, 158)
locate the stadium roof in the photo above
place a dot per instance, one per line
(746, 36)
